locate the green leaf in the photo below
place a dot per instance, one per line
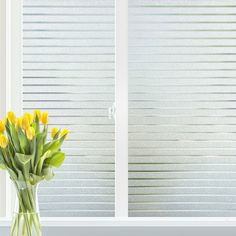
(36, 125)
(2, 165)
(21, 178)
(14, 136)
(56, 160)
(57, 135)
(12, 174)
(1, 155)
(11, 144)
(39, 147)
(53, 146)
(34, 179)
(23, 141)
(39, 167)
(22, 163)
(23, 159)
(5, 156)
(48, 173)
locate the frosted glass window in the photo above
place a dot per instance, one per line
(182, 116)
(68, 70)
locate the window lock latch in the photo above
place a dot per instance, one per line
(112, 111)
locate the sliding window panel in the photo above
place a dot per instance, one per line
(69, 72)
(182, 116)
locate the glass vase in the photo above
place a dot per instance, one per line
(26, 218)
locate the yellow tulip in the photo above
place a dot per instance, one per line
(37, 113)
(5, 121)
(64, 133)
(44, 118)
(54, 131)
(25, 122)
(30, 133)
(11, 117)
(19, 122)
(30, 117)
(2, 126)
(3, 141)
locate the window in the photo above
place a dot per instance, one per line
(68, 69)
(169, 68)
(182, 113)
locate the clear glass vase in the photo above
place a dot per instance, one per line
(26, 218)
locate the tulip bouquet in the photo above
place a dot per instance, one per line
(29, 157)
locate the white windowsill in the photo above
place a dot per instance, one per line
(133, 222)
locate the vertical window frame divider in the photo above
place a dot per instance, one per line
(121, 106)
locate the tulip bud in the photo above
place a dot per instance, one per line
(44, 118)
(19, 122)
(2, 126)
(64, 133)
(3, 141)
(11, 117)
(30, 133)
(37, 113)
(54, 131)
(25, 122)
(30, 117)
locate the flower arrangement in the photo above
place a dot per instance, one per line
(29, 157)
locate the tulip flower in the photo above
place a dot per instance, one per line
(30, 117)
(44, 118)
(2, 126)
(64, 133)
(25, 122)
(19, 122)
(30, 133)
(3, 141)
(54, 131)
(37, 113)
(11, 117)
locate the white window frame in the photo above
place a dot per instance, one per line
(10, 72)
(11, 91)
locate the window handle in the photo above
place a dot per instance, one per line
(112, 111)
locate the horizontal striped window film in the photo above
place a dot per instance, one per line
(68, 70)
(182, 104)
(182, 116)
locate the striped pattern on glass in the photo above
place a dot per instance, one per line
(182, 100)
(69, 71)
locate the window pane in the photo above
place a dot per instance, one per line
(69, 71)
(182, 117)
